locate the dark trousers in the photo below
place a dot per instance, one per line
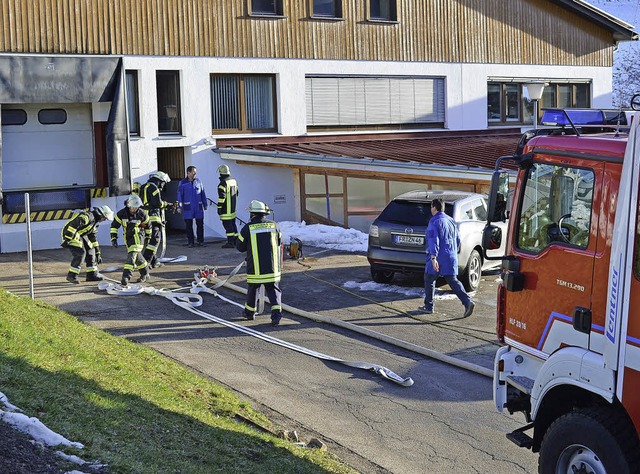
(86, 254)
(199, 230)
(452, 281)
(231, 230)
(152, 243)
(135, 261)
(273, 293)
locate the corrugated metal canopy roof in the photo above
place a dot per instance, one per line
(470, 149)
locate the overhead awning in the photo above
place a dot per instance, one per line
(53, 79)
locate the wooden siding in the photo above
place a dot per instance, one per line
(465, 31)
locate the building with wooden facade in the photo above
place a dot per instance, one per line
(318, 106)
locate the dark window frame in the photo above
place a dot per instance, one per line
(133, 102)
(551, 90)
(276, 12)
(338, 15)
(42, 116)
(7, 121)
(377, 16)
(166, 107)
(242, 108)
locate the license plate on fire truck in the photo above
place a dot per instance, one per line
(409, 240)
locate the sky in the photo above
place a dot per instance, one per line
(626, 67)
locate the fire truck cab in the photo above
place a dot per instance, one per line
(569, 303)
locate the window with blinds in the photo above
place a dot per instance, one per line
(375, 102)
(243, 103)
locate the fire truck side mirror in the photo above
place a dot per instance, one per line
(491, 237)
(498, 197)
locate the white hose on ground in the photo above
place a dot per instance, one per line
(190, 301)
(478, 369)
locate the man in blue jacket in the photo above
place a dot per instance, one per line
(443, 242)
(193, 202)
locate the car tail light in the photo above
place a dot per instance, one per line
(501, 318)
(373, 230)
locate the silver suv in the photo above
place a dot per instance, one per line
(397, 240)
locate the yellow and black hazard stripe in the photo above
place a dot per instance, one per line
(99, 192)
(52, 215)
(20, 217)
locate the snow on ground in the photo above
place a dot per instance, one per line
(324, 236)
(39, 432)
(348, 240)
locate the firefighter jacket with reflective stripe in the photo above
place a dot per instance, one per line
(134, 226)
(82, 225)
(261, 239)
(152, 201)
(227, 198)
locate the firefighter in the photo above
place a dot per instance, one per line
(227, 199)
(152, 202)
(79, 236)
(261, 239)
(136, 226)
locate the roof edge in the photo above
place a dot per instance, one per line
(622, 31)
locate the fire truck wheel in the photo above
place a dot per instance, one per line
(471, 277)
(381, 276)
(590, 440)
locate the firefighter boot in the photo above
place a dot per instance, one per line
(276, 316)
(228, 245)
(144, 276)
(72, 278)
(94, 276)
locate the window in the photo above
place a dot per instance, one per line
(13, 117)
(47, 200)
(556, 207)
(52, 116)
(382, 10)
(243, 103)
(326, 8)
(133, 107)
(374, 102)
(509, 102)
(266, 7)
(168, 94)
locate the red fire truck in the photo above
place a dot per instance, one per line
(569, 302)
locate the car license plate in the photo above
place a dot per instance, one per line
(409, 240)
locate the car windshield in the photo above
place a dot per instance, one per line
(409, 212)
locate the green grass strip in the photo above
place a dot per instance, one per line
(132, 408)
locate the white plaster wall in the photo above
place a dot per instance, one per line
(466, 102)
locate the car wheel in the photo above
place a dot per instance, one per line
(471, 276)
(381, 276)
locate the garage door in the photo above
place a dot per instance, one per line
(47, 146)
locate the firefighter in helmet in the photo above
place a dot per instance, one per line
(227, 199)
(79, 236)
(152, 202)
(261, 239)
(135, 225)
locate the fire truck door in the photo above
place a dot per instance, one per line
(554, 240)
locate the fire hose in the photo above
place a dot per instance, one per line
(192, 299)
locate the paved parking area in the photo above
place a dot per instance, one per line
(372, 423)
